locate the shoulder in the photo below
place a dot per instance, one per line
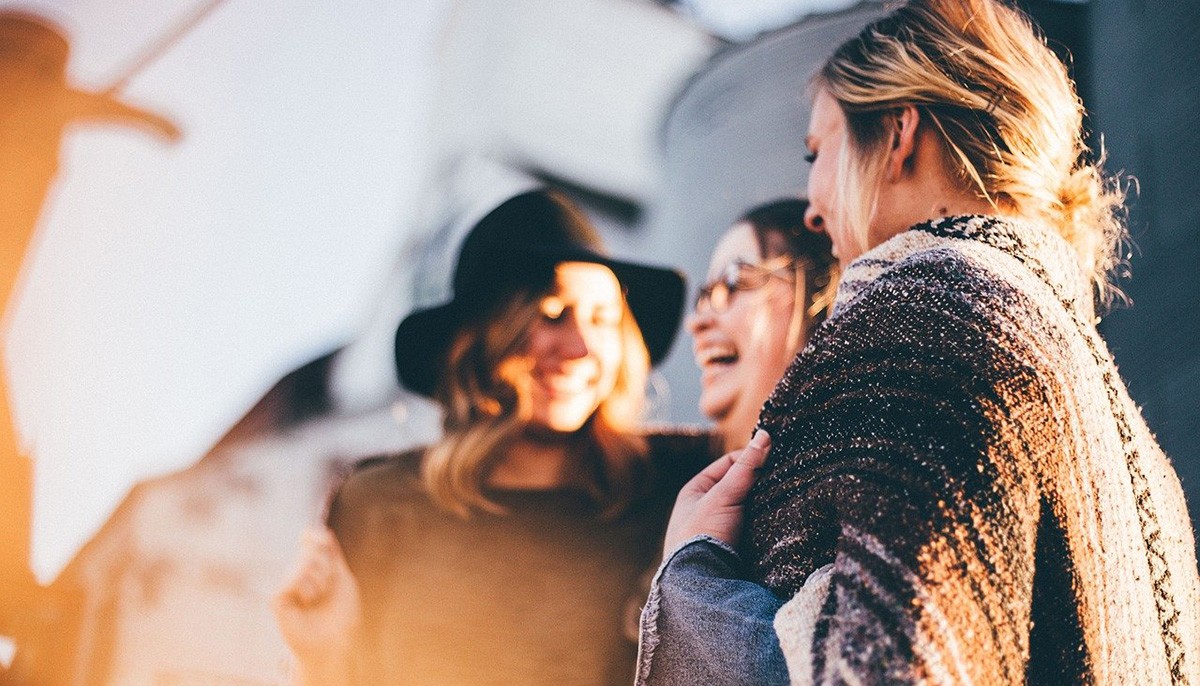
(938, 333)
(983, 267)
(378, 479)
(950, 298)
(675, 443)
(918, 266)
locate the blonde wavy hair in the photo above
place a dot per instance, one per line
(1006, 110)
(487, 406)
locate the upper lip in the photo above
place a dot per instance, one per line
(706, 352)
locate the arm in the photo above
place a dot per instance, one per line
(319, 608)
(704, 622)
(902, 466)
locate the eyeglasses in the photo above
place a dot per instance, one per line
(717, 295)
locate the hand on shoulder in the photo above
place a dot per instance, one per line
(711, 503)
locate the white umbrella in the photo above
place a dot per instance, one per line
(293, 187)
(171, 285)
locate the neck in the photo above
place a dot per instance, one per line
(535, 463)
(928, 204)
(953, 206)
(925, 189)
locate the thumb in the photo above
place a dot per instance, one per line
(733, 487)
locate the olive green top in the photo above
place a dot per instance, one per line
(548, 593)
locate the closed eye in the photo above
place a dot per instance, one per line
(553, 309)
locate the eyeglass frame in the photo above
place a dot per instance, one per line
(731, 281)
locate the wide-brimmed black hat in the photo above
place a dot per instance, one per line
(515, 246)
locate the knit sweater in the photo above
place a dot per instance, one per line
(960, 490)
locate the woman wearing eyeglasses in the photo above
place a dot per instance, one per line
(769, 283)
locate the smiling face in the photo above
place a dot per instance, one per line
(743, 351)
(826, 141)
(574, 349)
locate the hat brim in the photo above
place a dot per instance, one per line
(655, 296)
(421, 343)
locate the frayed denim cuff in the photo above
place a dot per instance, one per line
(705, 623)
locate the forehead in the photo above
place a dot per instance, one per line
(739, 243)
(826, 118)
(586, 280)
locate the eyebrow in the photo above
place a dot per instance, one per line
(808, 143)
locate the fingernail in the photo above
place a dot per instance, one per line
(761, 439)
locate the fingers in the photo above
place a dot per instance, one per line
(315, 571)
(711, 503)
(755, 453)
(732, 488)
(708, 477)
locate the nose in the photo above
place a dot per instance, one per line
(572, 341)
(813, 220)
(699, 320)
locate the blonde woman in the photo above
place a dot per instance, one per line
(956, 487)
(511, 551)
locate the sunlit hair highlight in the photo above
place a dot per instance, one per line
(780, 231)
(486, 401)
(1002, 104)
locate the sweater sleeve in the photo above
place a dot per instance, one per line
(900, 471)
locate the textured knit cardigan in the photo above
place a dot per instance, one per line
(960, 490)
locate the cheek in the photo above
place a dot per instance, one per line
(768, 331)
(820, 184)
(738, 323)
(605, 347)
(537, 341)
(516, 371)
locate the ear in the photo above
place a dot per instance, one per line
(904, 140)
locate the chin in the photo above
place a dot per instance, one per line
(566, 420)
(715, 406)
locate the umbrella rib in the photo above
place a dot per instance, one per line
(160, 46)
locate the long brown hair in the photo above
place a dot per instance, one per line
(485, 411)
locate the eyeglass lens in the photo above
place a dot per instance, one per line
(718, 293)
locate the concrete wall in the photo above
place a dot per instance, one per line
(1144, 97)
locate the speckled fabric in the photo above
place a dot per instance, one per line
(957, 453)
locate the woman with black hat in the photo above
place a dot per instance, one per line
(513, 550)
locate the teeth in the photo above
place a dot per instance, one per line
(566, 384)
(717, 355)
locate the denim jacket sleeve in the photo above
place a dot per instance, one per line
(704, 623)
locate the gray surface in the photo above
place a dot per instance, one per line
(1145, 80)
(735, 139)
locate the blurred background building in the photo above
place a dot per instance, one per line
(204, 336)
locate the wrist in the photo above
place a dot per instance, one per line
(712, 544)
